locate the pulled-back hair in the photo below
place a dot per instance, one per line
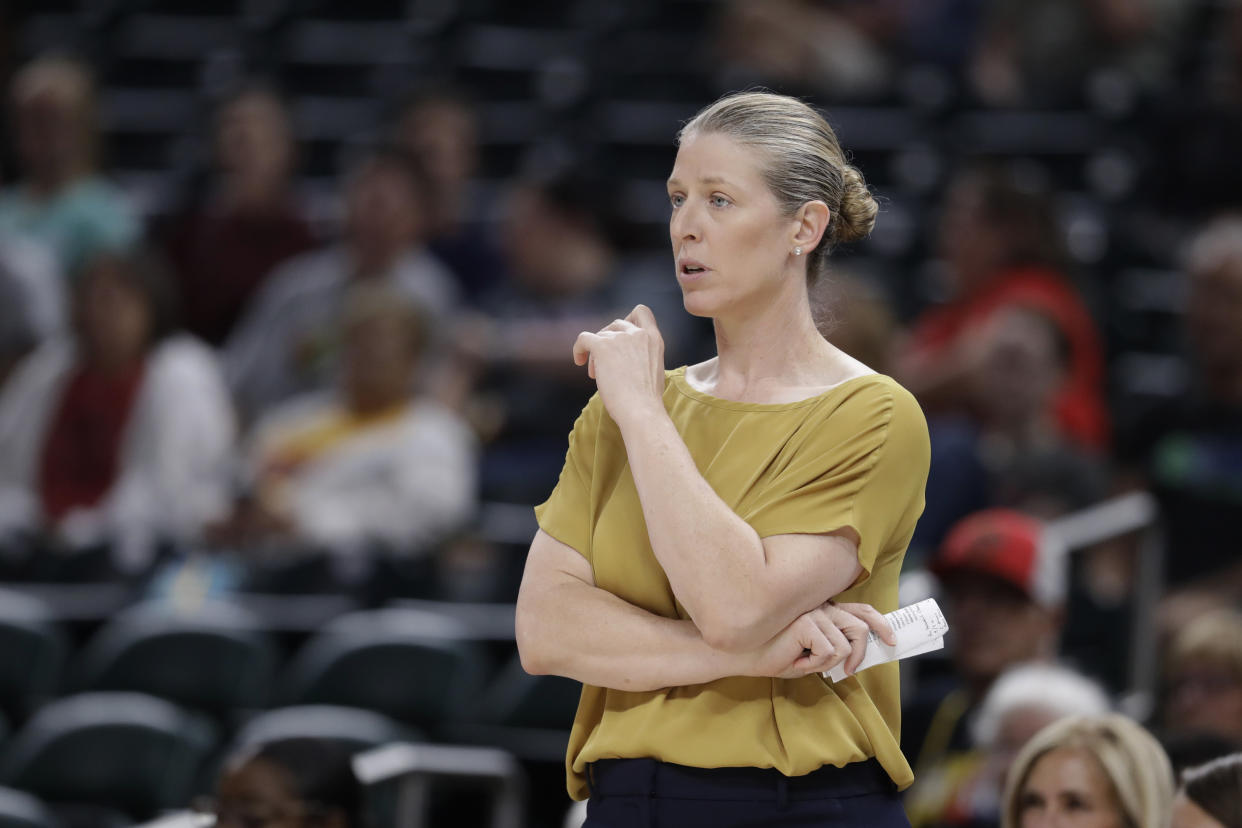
(802, 162)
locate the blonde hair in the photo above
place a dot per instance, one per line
(1217, 244)
(69, 81)
(1134, 762)
(1214, 637)
(804, 162)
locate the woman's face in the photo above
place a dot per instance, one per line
(732, 245)
(253, 138)
(259, 794)
(114, 320)
(1067, 788)
(1186, 814)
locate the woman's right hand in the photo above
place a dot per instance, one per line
(819, 640)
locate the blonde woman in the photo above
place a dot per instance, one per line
(1090, 772)
(707, 518)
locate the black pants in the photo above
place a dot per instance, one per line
(646, 793)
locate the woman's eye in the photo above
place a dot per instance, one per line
(676, 199)
(719, 201)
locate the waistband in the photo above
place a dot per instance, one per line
(653, 778)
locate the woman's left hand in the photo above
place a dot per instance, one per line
(626, 360)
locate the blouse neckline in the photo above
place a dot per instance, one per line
(679, 381)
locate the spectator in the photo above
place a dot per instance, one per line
(1210, 795)
(245, 222)
(1204, 677)
(1003, 580)
(296, 781)
(122, 435)
(32, 299)
(440, 127)
(1187, 451)
(1001, 249)
(370, 465)
(1090, 770)
(1043, 54)
(60, 199)
(966, 789)
(285, 343)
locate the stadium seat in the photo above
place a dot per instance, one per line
(361, 728)
(128, 751)
(32, 653)
(418, 667)
(215, 659)
(21, 810)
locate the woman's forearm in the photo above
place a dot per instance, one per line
(714, 560)
(570, 628)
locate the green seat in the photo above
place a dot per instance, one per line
(32, 653)
(215, 659)
(127, 751)
(420, 668)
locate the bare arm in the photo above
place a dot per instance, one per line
(568, 626)
(740, 590)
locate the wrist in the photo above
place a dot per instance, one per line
(640, 415)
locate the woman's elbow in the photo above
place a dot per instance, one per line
(730, 632)
(532, 647)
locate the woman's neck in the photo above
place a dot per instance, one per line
(770, 351)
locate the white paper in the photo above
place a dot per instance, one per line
(920, 628)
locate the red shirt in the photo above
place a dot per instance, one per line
(81, 455)
(1079, 405)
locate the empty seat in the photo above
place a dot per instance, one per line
(128, 751)
(19, 809)
(360, 728)
(418, 667)
(32, 653)
(215, 659)
(529, 716)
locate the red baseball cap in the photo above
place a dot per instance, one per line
(1008, 545)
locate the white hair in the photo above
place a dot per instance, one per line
(1049, 687)
(1217, 244)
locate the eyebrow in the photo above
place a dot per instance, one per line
(708, 179)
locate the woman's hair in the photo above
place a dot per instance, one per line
(1056, 689)
(1216, 245)
(321, 771)
(1129, 756)
(70, 80)
(1216, 787)
(802, 162)
(1215, 637)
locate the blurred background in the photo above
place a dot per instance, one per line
(287, 294)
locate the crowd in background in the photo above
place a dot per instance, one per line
(334, 400)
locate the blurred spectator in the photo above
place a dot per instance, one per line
(122, 435)
(244, 221)
(370, 465)
(858, 318)
(60, 200)
(440, 127)
(1203, 677)
(1001, 249)
(297, 781)
(1090, 770)
(286, 343)
(32, 299)
(1004, 584)
(1189, 451)
(564, 279)
(1044, 54)
(965, 790)
(1210, 795)
(839, 48)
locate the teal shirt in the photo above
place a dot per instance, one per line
(86, 218)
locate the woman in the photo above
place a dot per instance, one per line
(1090, 771)
(706, 519)
(1210, 795)
(289, 782)
(121, 435)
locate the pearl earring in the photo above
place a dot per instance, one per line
(797, 251)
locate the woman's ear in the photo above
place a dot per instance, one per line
(812, 223)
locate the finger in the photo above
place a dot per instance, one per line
(818, 652)
(582, 346)
(874, 619)
(642, 317)
(591, 366)
(619, 325)
(856, 634)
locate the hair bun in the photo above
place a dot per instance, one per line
(856, 217)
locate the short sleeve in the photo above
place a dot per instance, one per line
(862, 465)
(566, 514)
